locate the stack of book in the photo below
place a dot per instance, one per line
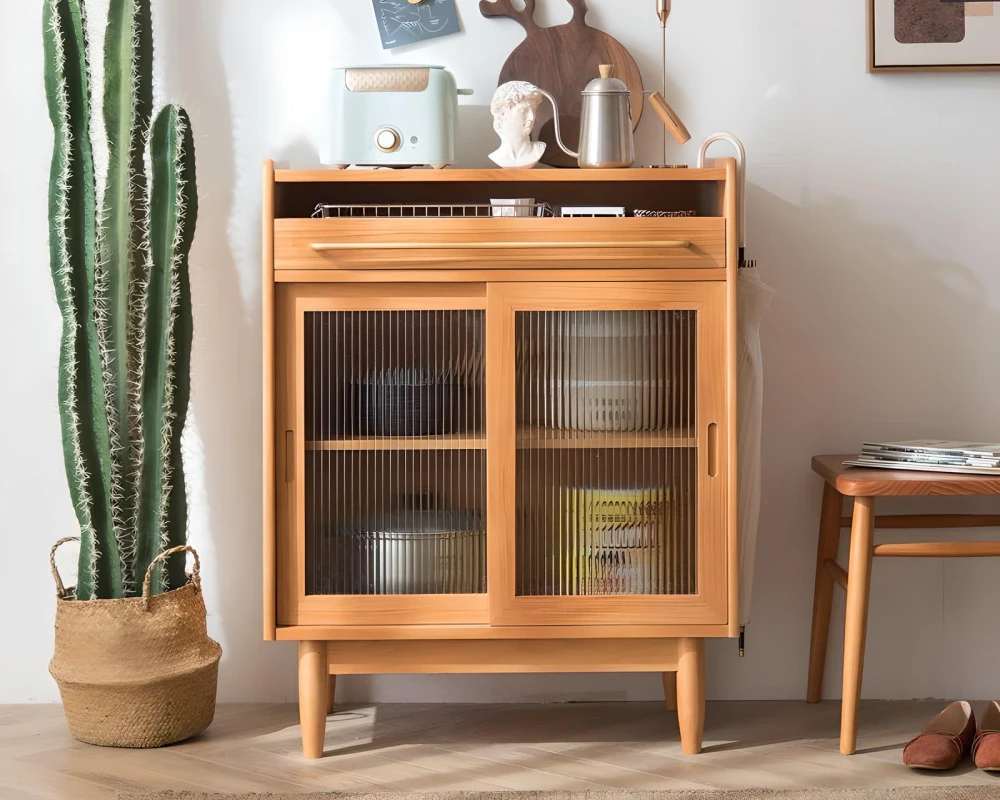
(931, 456)
(612, 536)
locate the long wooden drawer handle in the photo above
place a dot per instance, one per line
(321, 247)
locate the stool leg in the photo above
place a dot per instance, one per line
(829, 541)
(856, 625)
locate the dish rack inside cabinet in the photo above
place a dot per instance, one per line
(432, 211)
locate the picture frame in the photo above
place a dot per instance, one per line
(933, 36)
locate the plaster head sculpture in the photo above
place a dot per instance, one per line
(513, 107)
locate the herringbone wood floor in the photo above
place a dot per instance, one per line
(438, 747)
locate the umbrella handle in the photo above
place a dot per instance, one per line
(741, 164)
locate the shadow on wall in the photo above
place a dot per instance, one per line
(869, 337)
(223, 447)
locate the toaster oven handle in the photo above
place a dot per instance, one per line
(324, 247)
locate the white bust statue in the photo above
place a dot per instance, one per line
(514, 106)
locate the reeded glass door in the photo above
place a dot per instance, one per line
(387, 442)
(613, 404)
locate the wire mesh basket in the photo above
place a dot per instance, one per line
(420, 211)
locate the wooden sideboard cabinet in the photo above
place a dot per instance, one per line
(499, 443)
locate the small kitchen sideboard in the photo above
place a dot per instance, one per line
(499, 443)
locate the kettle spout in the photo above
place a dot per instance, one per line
(555, 120)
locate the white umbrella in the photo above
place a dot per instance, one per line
(753, 299)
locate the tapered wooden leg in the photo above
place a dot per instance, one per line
(331, 691)
(670, 690)
(829, 541)
(856, 624)
(313, 684)
(691, 694)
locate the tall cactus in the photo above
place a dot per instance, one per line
(166, 387)
(122, 285)
(128, 109)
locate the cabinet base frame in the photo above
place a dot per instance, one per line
(318, 660)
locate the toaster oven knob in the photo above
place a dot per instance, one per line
(388, 140)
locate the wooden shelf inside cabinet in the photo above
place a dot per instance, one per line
(552, 439)
(444, 442)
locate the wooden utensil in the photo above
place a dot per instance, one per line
(562, 60)
(670, 119)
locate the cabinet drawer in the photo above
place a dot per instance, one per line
(306, 244)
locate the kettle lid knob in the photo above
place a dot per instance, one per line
(607, 70)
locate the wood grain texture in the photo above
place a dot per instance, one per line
(392, 632)
(838, 573)
(670, 690)
(668, 116)
(563, 59)
(295, 607)
(313, 685)
(528, 656)
(938, 550)
(497, 175)
(349, 277)
(448, 441)
(862, 482)
(856, 619)
(403, 609)
(940, 521)
(363, 243)
(712, 602)
(829, 541)
(420, 749)
(268, 517)
(691, 694)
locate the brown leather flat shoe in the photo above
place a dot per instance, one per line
(944, 741)
(986, 748)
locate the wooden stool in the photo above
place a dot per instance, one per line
(864, 485)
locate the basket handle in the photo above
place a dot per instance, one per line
(60, 589)
(194, 576)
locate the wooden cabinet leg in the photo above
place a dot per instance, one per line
(691, 694)
(331, 691)
(829, 541)
(670, 690)
(313, 684)
(856, 624)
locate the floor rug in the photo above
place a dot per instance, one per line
(921, 793)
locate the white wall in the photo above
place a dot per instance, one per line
(873, 211)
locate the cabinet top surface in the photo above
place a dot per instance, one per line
(495, 175)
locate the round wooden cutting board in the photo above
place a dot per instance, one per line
(562, 60)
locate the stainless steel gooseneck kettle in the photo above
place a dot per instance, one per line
(606, 139)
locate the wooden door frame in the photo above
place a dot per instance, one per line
(294, 606)
(711, 604)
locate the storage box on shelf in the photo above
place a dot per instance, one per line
(499, 443)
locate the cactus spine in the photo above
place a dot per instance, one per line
(122, 285)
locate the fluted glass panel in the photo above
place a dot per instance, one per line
(607, 453)
(395, 452)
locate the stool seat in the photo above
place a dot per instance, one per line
(874, 482)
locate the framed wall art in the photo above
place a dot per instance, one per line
(908, 35)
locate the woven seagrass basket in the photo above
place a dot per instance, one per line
(136, 672)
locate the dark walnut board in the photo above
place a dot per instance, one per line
(562, 60)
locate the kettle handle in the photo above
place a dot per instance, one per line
(555, 120)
